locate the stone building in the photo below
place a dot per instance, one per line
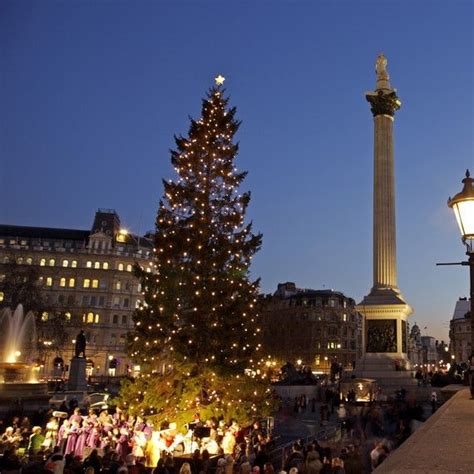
(415, 346)
(311, 327)
(86, 276)
(460, 331)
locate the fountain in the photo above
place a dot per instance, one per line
(18, 373)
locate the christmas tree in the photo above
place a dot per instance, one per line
(196, 335)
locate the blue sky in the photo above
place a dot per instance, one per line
(92, 92)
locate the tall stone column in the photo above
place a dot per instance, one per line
(384, 309)
(384, 103)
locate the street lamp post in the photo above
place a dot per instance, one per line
(463, 206)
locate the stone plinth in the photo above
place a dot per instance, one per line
(77, 375)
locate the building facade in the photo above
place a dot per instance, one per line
(86, 276)
(311, 327)
(460, 330)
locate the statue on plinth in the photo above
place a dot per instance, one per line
(80, 347)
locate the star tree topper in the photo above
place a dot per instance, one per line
(219, 80)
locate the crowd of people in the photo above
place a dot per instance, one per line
(72, 441)
(114, 443)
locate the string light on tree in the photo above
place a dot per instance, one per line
(196, 329)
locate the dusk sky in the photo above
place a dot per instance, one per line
(92, 92)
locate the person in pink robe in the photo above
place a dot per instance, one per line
(73, 433)
(62, 435)
(81, 441)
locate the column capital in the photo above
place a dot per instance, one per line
(383, 102)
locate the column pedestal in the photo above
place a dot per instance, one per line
(77, 381)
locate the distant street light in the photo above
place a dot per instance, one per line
(463, 206)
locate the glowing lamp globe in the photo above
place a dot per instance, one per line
(463, 206)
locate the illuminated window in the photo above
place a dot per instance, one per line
(72, 282)
(129, 267)
(19, 260)
(74, 264)
(65, 263)
(344, 317)
(49, 281)
(120, 267)
(42, 262)
(23, 242)
(2, 296)
(88, 318)
(97, 319)
(44, 316)
(87, 283)
(118, 285)
(62, 282)
(88, 264)
(105, 266)
(52, 262)
(95, 283)
(67, 316)
(29, 261)
(96, 265)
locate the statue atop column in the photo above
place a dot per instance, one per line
(80, 347)
(381, 68)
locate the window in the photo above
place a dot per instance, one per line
(97, 319)
(74, 264)
(85, 300)
(49, 281)
(62, 282)
(120, 267)
(103, 284)
(67, 316)
(332, 303)
(52, 262)
(118, 285)
(129, 267)
(2, 296)
(125, 302)
(65, 263)
(344, 317)
(44, 316)
(105, 266)
(93, 300)
(42, 262)
(115, 319)
(72, 282)
(124, 319)
(101, 301)
(97, 265)
(116, 301)
(87, 283)
(19, 260)
(70, 300)
(24, 242)
(29, 261)
(95, 283)
(61, 299)
(88, 318)
(88, 264)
